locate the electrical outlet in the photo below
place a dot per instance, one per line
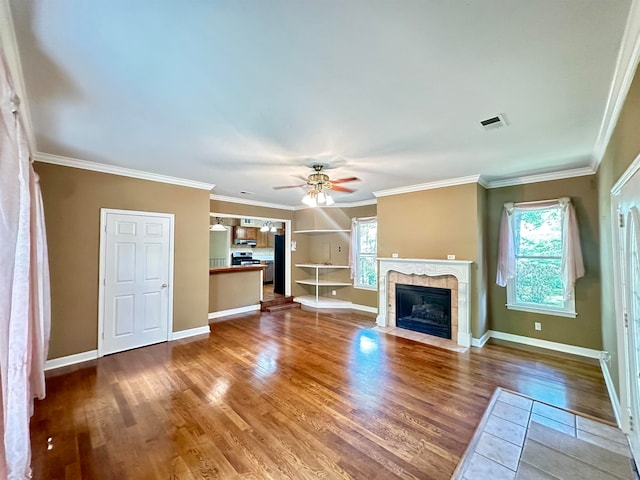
(333, 292)
(394, 255)
(339, 248)
(537, 325)
(451, 257)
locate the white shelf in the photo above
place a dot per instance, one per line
(322, 302)
(323, 283)
(320, 265)
(322, 231)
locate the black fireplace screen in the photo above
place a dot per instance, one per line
(424, 309)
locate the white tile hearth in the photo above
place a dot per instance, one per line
(422, 338)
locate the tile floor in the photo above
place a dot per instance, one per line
(523, 439)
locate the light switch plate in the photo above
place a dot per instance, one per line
(451, 257)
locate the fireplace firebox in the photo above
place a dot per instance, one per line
(424, 309)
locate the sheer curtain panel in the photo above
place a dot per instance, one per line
(24, 287)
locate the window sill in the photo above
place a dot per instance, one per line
(542, 311)
(362, 287)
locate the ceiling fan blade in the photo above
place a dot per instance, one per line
(338, 188)
(345, 180)
(280, 187)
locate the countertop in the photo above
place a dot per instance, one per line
(236, 268)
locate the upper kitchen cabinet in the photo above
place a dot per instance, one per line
(245, 233)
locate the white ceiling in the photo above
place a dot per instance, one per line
(245, 94)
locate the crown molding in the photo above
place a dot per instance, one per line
(626, 65)
(9, 43)
(429, 186)
(542, 177)
(113, 170)
(361, 203)
(255, 203)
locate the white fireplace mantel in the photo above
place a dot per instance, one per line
(461, 269)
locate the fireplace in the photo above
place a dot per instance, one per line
(453, 275)
(424, 309)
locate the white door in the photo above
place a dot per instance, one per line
(628, 299)
(136, 268)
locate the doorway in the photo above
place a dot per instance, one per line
(625, 203)
(136, 273)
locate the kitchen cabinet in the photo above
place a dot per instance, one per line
(245, 233)
(265, 239)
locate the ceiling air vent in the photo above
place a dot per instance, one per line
(494, 122)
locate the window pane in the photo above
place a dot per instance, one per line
(367, 271)
(539, 282)
(538, 232)
(367, 237)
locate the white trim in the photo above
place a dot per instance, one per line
(9, 42)
(613, 395)
(114, 170)
(543, 311)
(537, 342)
(626, 176)
(101, 269)
(361, 203)
(70, 360)
(542, 177)
(626, 65)
(190, 332)
(244, 201)
(364, 308)
(450, 182)
(233, 311)
(480, 342)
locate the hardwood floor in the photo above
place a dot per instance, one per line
(296, 394)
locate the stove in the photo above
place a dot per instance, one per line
(243, 258)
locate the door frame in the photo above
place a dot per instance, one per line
(287, 241)
(101, 272)
(622, 332)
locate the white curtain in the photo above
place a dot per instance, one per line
(24, 287)
(572, 265)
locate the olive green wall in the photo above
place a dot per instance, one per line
(623, 148)
(72, 201)
(234, 290)
(433, 224)
(583, 331)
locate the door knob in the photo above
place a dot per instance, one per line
(164, 285)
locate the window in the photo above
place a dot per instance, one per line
(364, 247)
(540, 257)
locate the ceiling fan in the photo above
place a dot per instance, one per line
(320, 183)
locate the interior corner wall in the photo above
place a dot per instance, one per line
(433, 224)
(72, 201)
(623, 148)
(583, 331)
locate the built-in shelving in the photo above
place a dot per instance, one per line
(322, 231)
(316, 300)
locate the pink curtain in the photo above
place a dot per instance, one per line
(572, 265)
(24, 287)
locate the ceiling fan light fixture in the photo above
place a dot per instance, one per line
(321, 197)
(329, 200)
(310, 198)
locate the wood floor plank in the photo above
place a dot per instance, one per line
(295, 394)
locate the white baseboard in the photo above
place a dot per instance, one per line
(364, 308)
(613, 395)
(480, 342)
(233, 311)
(536, 342)
(70, 360)
(189, 332)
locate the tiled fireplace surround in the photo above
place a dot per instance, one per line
(451, 274)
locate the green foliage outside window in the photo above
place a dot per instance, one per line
(367, 267)
(538, 240)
